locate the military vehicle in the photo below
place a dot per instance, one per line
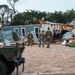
(11, 58)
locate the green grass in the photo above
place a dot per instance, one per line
(73, 45)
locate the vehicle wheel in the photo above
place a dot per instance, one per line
(11, 68)
(3, 68)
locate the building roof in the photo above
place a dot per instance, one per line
(48, 22)
(21, 25)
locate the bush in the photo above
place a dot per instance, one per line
(73, 45)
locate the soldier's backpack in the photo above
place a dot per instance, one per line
(30, 36)
(41, 36)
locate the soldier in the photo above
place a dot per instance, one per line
(48, 36)
(30, 37)
(41, 38)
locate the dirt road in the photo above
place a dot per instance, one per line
(56, 59)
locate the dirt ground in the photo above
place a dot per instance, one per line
(56, 59)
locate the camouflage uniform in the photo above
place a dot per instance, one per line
(30, 37)
(41, 39)
(48, 36)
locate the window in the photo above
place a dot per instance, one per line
(16, 30)
(23, 32)
(36, 30)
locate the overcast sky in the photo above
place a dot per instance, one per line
(43, 5)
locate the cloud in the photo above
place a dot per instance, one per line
(3, 2)
(43, 5)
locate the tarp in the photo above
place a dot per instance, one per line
(34, 36)
(73, 31)
(72, 23)
(67, 36)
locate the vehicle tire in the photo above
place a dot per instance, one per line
(3, 68)
(11, 68)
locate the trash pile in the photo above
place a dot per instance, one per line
(69, 38)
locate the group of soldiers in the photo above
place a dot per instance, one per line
(45, 37)
(42, 38)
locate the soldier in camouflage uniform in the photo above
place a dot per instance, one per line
(30, 37)
(41, 38)
(48, 36)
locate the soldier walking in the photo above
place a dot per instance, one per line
(48, 36)
(30, 37)
(41, 38)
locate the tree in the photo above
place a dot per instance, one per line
(70, 15)
(29, 16)
(12, 3)
(3, 10)
(8, 16)
(18, 19)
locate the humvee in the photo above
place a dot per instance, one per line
(11, 58)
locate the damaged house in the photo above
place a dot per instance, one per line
(22, 30)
